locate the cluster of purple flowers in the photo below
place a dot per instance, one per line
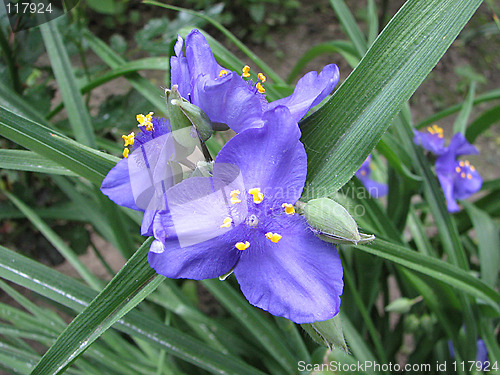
(458, 178)
(240, 216)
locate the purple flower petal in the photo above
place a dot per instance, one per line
(299, 278)
(205, 260)
(201, 60)
(375, 189)
(447, 186)
(229, 100)
(116, 185)
(271, 158)
(433, 142)
(310, 90)
(179, 70)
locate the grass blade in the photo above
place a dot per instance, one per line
(362, 108)
(78, 115)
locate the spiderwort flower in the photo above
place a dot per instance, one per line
(139, 180)
(375, 189)
(458, 178)
(432, 139)
(242, 219)
(228, 98)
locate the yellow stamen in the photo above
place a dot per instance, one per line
(467, 163)
(258, 197)
(261, 77)
(288, 208)
(242, 245)
(457, 169)
(227, 223)
(234, 197)
(246, 70)
(223, 72)
(125, 152)
(363, 173)
(273, 237)
(430, 130)
(462, 175)
(129, 139)
(145, 121)
(462, 164)
(472, 168)
(469, 176)
(260, 88)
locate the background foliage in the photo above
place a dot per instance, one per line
(60, 132)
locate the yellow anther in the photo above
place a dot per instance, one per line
(246, 70)
(430, 130)
(260, 88)
(288, 208)
(145, 121)
(462, 164)
(273, 237)
(227, 223)
(261, 77)
(257, 195)
(125, 152)
(129, 139)
(467, 163)
(242, 245)
(472, 168)
(469, 176)
(223, 72)
(457, 169)
(462, 175)
(363, 173)
(234, 197)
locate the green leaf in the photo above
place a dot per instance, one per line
(460, 124)
(482, 123)
(435, 268)
(93, 165)
(20, 160)
(152, 93)
(345, 49)
(351, 27)
(252, 56)
(57, 242)
(78, 115)
(251, 318)
(68, 292)
(372, 22)
(362, 108)
(328, 333)
(486, 97)
(488, 242)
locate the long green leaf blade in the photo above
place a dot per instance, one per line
(78, 115)
(435, 268)
(362, 108)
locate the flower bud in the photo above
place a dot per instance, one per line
(328, 333)
(182, 114)
(402, 305)
(332, 223)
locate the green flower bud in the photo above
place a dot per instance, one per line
(184, 115)
(402, 305)
(411, 323)
(332, 223)
(328, 333)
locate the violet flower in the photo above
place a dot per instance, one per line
(458, 178)
(375, 189)
(228, 98)
(243, 219)
(140, 179)
(481, 354)
(432, 139)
